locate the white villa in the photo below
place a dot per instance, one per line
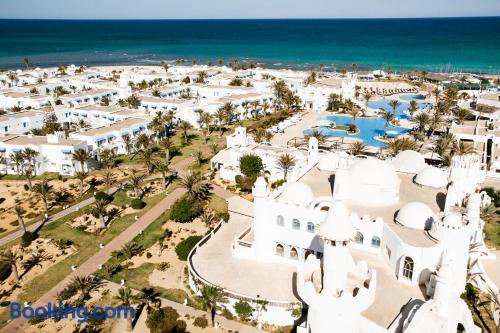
(402, 221)
(54, 152)
(21, 122)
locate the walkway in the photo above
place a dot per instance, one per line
(92, 264)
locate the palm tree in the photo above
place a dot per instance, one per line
(436, 92)
(354, 113)
(285, 163)
(81, 176)
(435, 122)
(461, 115)
(318, 135)
(196, 186)
(18, 158)
(210, 296)
(198, 157)
(133, 102)
(109, 178)
(127, 142)
(358, 148)
(147, 158)
(462, 148)
(81, 156)
(397, 145)
(44, 189)
(150, 297)
(100, 209)
(126, 299)
(162, 167)
(493, 298)
(166, 144)
(11, 257)
(135, 181)
(367, 96)
(413, 108)
(142, 141)
(107, 158)
(209, 218)
(387, 116)
(28, 172)
(19, 212)
(229, 112)
(185, 126)
(394, 105)
(423, 121)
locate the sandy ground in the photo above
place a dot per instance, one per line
(170, 277)
(43, 246)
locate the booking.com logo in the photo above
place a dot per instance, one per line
(81, 313)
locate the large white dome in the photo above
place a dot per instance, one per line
(415, 215)
(432, 177)
(374, 172)
(337, 225)
(329, 162)
(297, 193)
(409, 161)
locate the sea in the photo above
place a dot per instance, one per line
(433, 44)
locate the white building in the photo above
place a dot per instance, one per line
(54, 152)
(21, 122)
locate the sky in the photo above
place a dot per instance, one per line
(217, 9)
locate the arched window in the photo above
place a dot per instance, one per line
(408, 268)
(375, 242)
(280, 220)
(310, 227)
(280, 250)
(294, 254)
(295, 224)
(308, 253)
(359, 238)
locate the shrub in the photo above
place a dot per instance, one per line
(163, 266)
(27, 238)
(183, 248)
(200, 322)
(227, 314)
(165, 320)
(352, 128)
(244, 310)
(278, 183)
(137, 204)
(251, 165)
(245, 183)
(5, 271)
(148, 255)
(26, 187)
(102, 196)
(224, 216)
(184, 210)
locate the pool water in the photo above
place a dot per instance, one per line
(412, 97)
(400, 111)
(369, 128)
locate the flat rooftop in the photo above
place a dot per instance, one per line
(321, 183)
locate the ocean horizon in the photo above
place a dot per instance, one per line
(453, 44)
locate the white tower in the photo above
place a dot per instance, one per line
(341, 185)
(465, 174)
(312, 157)
(238, 138)
(262, 246)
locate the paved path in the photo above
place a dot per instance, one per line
(181, 167)
(224, 323)
(92, 264)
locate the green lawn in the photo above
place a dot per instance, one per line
(492, 234)
(218, 204)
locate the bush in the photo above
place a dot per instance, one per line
(5, 271)
(148, 255)
(102, 196)
(245, 183)
(200, 322)
(251, 165)
(26, 187)
(244, 310)
(137, 204)
(165, 320)
(183, 248)
(184, 210)
(278, 183)
(352, 128)
(27, 238)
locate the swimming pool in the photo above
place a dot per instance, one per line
(369, 128)
(400, 111)
(418, 97)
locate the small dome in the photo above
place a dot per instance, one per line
(432, 177)
(297, 193)
(409, 161)
(415, 215)
(453, 220)
(337, 225)
(374, 172)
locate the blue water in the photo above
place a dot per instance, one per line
(368, 129)
(412, 97)
(452, 44)
(400, 110)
